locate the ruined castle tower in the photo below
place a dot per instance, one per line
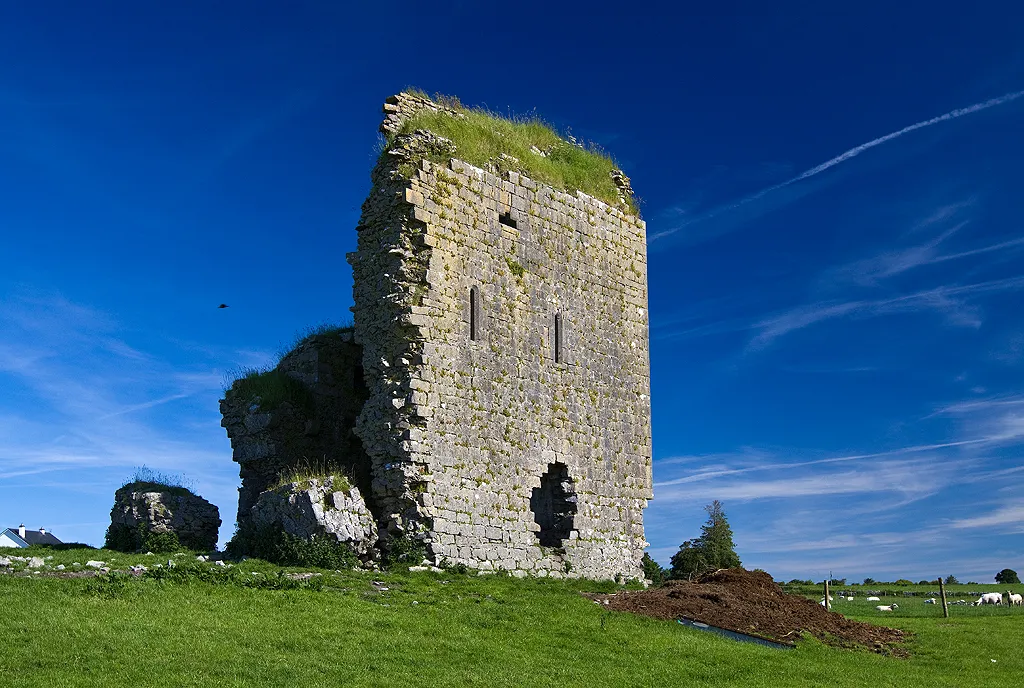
(504, 337)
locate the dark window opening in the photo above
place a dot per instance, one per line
(554, 505)
(558, 338)
(474, 314)
(507, 219)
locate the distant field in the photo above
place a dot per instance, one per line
(441, 629)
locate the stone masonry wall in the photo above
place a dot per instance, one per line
(266, 442)
(191, 518)
(460, 430)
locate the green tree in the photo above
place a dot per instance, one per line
(951, 580)
(1007, 577)
(714, 549)
(652, 570)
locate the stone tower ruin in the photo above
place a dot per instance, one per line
(505, 419)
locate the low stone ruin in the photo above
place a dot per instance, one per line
(319, 507)
(147, 513)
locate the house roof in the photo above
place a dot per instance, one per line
(34, 537)
(13, 535)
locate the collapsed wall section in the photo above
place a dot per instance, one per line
(504, 334)
(299, 415)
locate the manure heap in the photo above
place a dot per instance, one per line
(750, 602)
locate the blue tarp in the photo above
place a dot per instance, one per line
(743, 637)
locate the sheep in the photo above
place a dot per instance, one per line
(887, 607)
(1014, 599)
(873, 599)
(989, 598)
(931, 600)
(849, 599)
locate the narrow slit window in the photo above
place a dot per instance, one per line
(474, 314)
(558, 338)
(507, 219)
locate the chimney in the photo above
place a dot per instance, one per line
(42, 531)
(21, 531)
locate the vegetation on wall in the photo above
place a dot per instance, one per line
(145, 479)
(270, 387)
(482, 137)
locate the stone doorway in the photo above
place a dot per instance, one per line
(554, 505)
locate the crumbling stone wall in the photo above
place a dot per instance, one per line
(466, 282)
(325, 507)
(141, 510)
(269, 441)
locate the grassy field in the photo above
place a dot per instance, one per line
(439, 629)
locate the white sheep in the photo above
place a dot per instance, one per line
(873, 599)
(990, 598)
(1014, 599)
(887, 607)
(849, 599)
(931, 600)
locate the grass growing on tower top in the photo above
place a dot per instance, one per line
(481, 136)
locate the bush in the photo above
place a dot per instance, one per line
(652, 570)
(140, 539)
(402, 551)
(1007, 577)
(714, 549)
(271, 543)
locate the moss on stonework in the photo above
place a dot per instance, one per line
(518, 144)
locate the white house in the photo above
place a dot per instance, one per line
(19, 537)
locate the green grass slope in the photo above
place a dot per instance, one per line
(443, 629)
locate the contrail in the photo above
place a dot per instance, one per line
(852, 153)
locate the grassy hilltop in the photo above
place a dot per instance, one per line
(249, 625)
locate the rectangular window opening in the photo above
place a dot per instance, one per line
(558, 337)
(474, 314)
(507, 219)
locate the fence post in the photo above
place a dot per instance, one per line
(828, 607)
(945, 607)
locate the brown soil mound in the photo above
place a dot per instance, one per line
(750, 602)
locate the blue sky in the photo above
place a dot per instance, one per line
(836, 256)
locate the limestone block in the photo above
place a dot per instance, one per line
(319, 507)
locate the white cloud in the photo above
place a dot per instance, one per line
(1006, 516)
(948, 300)
(843, 157)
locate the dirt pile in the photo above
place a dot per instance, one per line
(750, 602)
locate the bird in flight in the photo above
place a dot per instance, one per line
(223, 305)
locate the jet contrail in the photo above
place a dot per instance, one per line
(852, 153)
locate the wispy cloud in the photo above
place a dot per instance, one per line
(1006, 516)
(88, 391)
(948, 300)
(839, 159)
(770, 462)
